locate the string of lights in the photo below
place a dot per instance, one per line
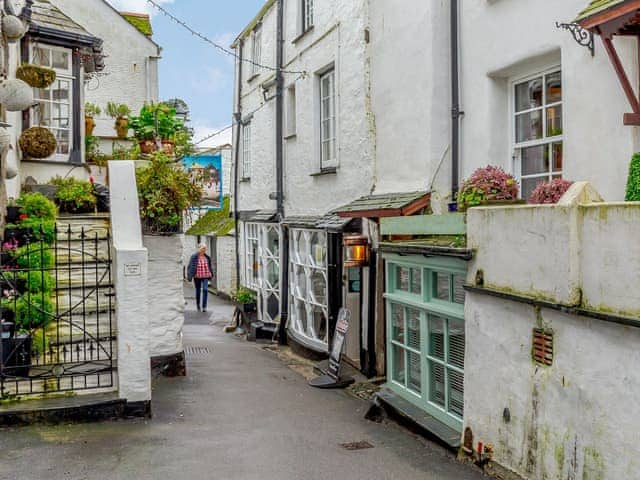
(206, 39)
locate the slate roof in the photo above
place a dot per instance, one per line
(329, 222)
(46, 14)
(597, 6)
(393, 202)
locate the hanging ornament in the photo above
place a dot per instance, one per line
(38, 142)
(12, 28)
(16, 95)
(12, 167)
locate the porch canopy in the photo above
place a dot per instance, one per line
(386, 205)
(607, 18)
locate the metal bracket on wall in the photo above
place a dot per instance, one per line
(580, 35)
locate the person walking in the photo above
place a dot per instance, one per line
(200, 271)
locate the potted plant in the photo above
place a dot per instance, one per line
(91, 110)
(13, 211)
(168, 127)
(38, 142)
(144, 129)
(490, 184)
(549, 192)
(74, 196)
(165, 191)
(245, 299)
(120, 112)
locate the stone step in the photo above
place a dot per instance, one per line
(77, 275)
(76, 328)
(74, 231)
(75, 302)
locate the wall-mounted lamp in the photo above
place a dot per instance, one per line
(356, 249)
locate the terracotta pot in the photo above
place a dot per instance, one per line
(89, 125)
(147, 146)
(168, 147)
(122, 127)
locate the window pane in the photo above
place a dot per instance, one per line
(41, 56)
(436, 383)
(318, 287)
(63, 138)
(556, 152)
(456, 393)
(529, 95)
(554, 87)
(60, 59)
(415, 372)
(413, 328)
(436, 337)
(397, 322)
(300, 282)
(319, 323)
(416, 281)
(441, 286)
(529, 184)
(402, 278)
(456, 343)
(554, 121)
(529, 126)
(398, 373)
(458, 289)
(535, 160)
(60, 91)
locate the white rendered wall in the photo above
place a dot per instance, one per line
(506, 39)
(226, 265)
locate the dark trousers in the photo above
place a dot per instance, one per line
(202, 290)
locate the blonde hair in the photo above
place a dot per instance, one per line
(201, 245)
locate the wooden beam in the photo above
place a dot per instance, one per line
(608, 15)
(622, 75)
(631, 119)
(415, 207)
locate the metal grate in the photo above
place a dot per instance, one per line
(197, 351)
(361, 445)
(543, 347)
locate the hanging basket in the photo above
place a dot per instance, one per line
(12, 28)
(38, 142)
(36, 76)
(16, 95)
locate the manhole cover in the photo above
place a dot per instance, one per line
(356, 445)
(193, 351)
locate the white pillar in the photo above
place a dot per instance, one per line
(131, 273)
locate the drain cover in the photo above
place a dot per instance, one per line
(194, 351)
(362, 445)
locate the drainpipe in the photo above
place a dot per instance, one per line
(237, 118)
(284, 280)
(455, 103)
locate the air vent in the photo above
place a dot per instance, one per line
(543, 347)
(197, 351)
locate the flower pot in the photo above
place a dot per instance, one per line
(169, 147)
(122, 127)
(147, 146)
(19, 234)
(13, 214)
(16, 356)
(248, 307)
(89, 125)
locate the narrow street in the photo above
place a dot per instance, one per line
(239, 414)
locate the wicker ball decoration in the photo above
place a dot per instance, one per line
(16, 95)
(12, 28)
(36, 76)
(38, 142)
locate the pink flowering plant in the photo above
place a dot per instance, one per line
(549, 192)
(486, 184)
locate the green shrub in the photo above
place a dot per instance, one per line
(74, 196)
(38, 281)
(34, 256)
(36, 206)
(244, 296)
(633, 180)
(44, 231)
(33, 310)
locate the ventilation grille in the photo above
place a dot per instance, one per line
(543, 347)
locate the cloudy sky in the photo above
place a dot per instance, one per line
(191, 69)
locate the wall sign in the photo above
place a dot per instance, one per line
(206, 171)
(132, 270)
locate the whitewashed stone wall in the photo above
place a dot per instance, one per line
(226, 265)
(573, 419)
(166, 294)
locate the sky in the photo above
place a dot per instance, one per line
(192, 69)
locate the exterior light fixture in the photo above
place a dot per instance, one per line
(356, 251)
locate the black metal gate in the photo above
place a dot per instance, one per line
(57, 303)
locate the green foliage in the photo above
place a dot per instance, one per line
(633, 180)
(217, 222)
(73, 195)
(166, 192)
(36, 206)
(487, 184)
(33, 310)
(92, 151)
(35, 256)
(41, 230)
(244, 296)
(91, 109)
(38, 281)
(115, 110)
(156, 120)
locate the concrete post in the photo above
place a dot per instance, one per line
(131, 273)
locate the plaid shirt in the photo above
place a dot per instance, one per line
(202, 268)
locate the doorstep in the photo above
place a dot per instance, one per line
(426, 424)
(71, 409)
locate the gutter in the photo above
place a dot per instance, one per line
(237, 117)
(455, 103)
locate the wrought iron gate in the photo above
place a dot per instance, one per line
(57, 303)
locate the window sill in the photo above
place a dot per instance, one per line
(325, 171)
(302, 35)
(291, 136)
(52, 162)
(245, 180)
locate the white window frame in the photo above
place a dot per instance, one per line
(246, 150)
(256, 51)
(548, 141)
(306, 15)
(251, 256)
(328, 155)
(291, 111)
(64, 74)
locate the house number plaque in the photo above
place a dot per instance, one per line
(132, 270)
